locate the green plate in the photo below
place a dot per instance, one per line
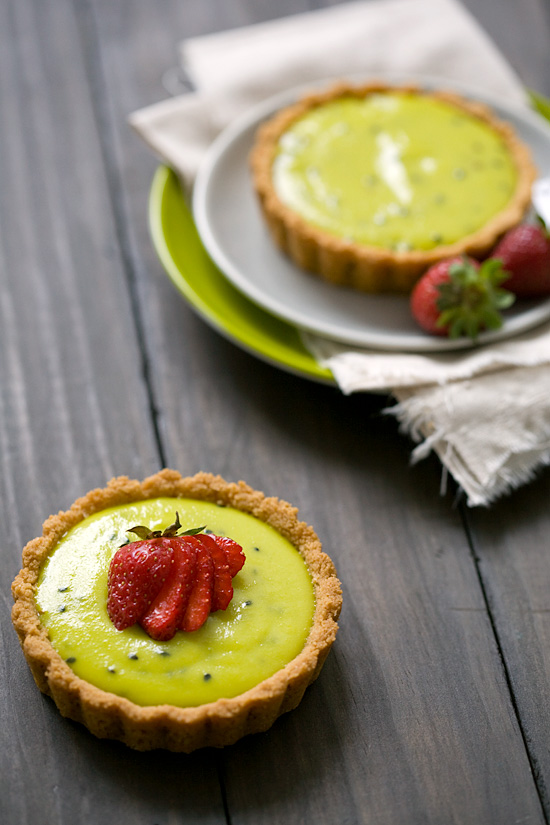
(230, 313)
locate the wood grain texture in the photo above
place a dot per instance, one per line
(512, 547)
(402, 569)
(520, 30)
(433, 706)
(74, 409)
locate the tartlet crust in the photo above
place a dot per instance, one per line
(369, 268)
(216, 724)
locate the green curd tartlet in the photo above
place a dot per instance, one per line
(369, 186)
(235, 675)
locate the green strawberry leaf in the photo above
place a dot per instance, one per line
(171, 531)
(141, 531)
(193, 531)
(471, 300)
(542, 223)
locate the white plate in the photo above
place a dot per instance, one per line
(234, 233)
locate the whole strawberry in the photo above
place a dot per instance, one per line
(458, 297)
(525, 255)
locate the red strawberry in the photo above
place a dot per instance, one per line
(168, 581)
(167, 610)
(223, 586)
(233, 552)
(200, 599)
(136, 575)
(525, 255)
(458, 297)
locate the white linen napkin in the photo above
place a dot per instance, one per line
(234, 70)
(485, 413)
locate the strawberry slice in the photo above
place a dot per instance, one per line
(200, 599)
(136, 574)
(223, 586)
(233, 553)
(166, 611)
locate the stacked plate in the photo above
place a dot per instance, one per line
(221, 258)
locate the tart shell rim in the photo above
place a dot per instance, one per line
(180, 729)
(366, 267)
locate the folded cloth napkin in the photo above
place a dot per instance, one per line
(485, 413)
(234, 70)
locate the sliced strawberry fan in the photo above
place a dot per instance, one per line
(169, 581)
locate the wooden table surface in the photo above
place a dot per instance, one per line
(434, 706)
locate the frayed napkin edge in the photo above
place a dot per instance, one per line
(527, 465)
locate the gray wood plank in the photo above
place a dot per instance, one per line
(412, 720)
(520, 30)
(511, 544)
(74, 409)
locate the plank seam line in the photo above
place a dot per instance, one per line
(223, 790)
(533, 762)
(98, 91)
(92, 55)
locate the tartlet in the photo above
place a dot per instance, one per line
(212, 724)
(355, 236)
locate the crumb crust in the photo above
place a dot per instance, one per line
(216, 724)
(368, 268)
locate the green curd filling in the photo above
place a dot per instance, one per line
(264, 627)
(394, 170)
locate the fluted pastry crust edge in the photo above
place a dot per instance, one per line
(216, 724)
(368, 268)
